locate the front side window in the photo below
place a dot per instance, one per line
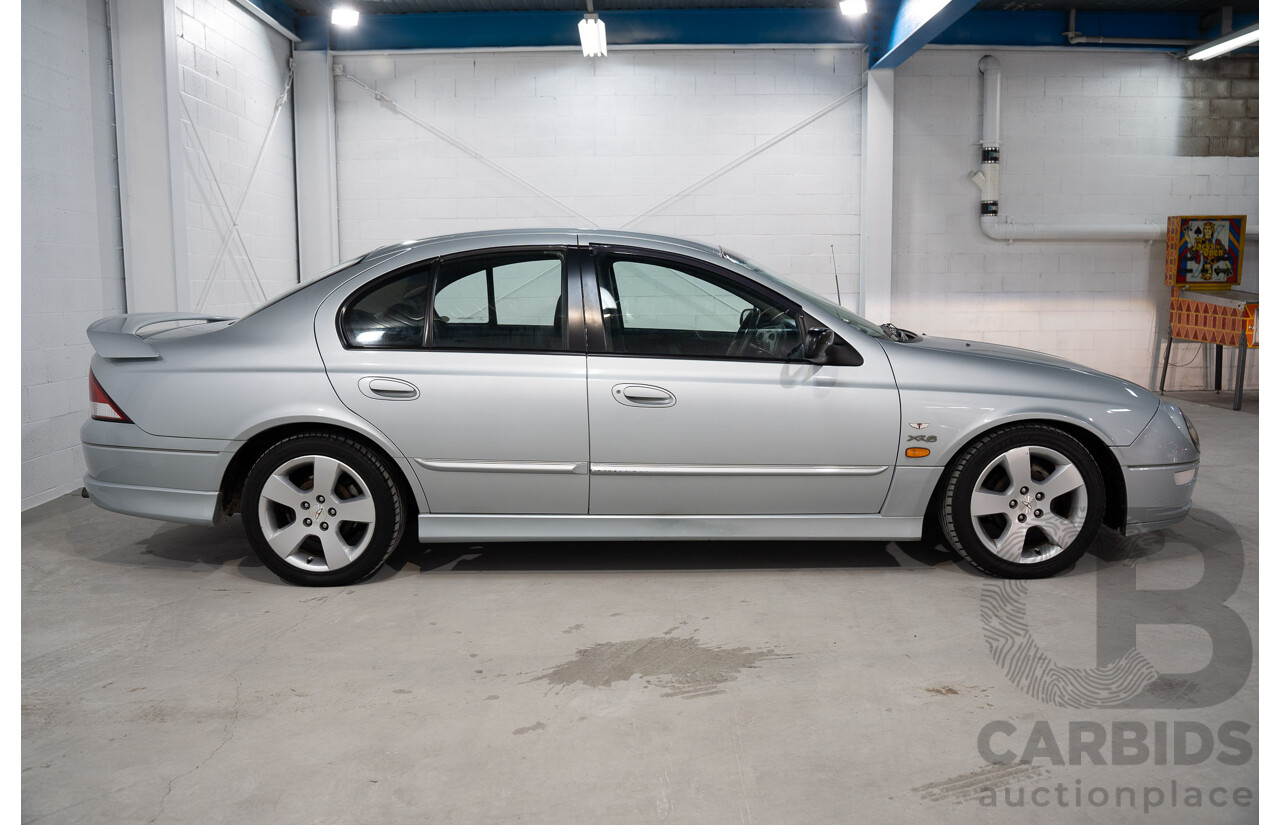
(504, 301)
(656, 307)
(843, 313)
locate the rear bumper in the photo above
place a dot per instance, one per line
(1159, 496)
(138, 474)
(182, 506)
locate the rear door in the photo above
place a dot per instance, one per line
(471, 365)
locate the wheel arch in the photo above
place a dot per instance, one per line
(233, 478)
(1116, 493)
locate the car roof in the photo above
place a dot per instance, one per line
(544, 235)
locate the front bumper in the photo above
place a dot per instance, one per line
(1159, 496)
(1160, 469)
(139, 474)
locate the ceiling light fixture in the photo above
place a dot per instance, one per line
(591, 32)
(345, 17)
(853, 8)
(1226, 43)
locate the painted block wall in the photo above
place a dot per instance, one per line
(1221, 107)
(232, 69)
(609, 140)
(72, 267)
(1087, 136)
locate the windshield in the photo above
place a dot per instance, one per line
(856, 321)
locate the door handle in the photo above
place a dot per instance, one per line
(392, 389)
(643, 395)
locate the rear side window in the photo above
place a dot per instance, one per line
(504, 301)
(391, 315)
(507, 301)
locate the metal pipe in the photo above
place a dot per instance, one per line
(990, 68)
(988, 180)
(1009, 231)
(1075, 38)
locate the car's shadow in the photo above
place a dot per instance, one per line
(176, 547)
(197, 549)
(203, 548)
(621, 556)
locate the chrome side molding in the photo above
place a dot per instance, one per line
(453, 466)
(733, 470)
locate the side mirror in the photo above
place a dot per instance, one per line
(816, 342)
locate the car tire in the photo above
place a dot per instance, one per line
(322, 510)
(1023, 502)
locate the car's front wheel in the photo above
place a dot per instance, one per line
(1023, 502)
(322, 510)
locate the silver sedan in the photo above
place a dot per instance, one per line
(561, 384)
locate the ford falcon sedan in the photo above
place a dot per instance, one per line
(594, 385)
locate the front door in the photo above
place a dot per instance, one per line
(700, 402)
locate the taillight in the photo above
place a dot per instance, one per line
(100, 404)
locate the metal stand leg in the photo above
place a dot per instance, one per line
(1240, 365)
(1217, 368)
(1168, 348)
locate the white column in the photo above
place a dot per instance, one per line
(315, 162)
(149, 154)
(877, 197)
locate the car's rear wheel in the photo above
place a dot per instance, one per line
(1023, 502)
(322, 510)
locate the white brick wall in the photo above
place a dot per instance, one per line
(72, 271)
(232, 69)
(1086, 136)
(610, 138)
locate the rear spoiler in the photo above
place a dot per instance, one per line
(117, 336)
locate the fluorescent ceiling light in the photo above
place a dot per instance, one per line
(345, 16)
(591, 31)
(1226, 43)
(853, 8)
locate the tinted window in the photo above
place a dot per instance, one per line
(503, 302)
(654, 307)
(390, 315)
(465, 301)
(857, 321)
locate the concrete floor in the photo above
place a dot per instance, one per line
(168, 677)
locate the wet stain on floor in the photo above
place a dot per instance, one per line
(681, 667)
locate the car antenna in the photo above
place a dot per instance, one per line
(835, 274)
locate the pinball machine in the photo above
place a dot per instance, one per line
(1204, 257)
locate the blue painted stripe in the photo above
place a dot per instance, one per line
(279, 11)
(378, 32)
(890, 37)
(982, 27)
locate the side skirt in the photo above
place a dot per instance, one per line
(450, 527)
